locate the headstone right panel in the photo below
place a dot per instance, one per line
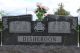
(64, 26)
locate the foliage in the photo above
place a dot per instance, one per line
(40, 11)
(2, 13)
(79, 28)
(78, 10)
(61, 11)
(0, 25)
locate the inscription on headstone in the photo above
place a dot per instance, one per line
(20, 27)
(39, 26)
(53, 39)
(59, 27)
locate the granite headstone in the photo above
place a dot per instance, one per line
(53, 30)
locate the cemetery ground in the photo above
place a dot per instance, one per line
(38, 49)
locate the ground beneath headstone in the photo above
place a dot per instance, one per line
(38, 49)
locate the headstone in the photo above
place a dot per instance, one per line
(54, 30)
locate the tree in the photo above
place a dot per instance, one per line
(2, 13)
(78, 29)
(0, 25)
(40, 11)
(78, 10)
(61, 11)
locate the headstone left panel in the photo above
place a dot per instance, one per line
(14, 26)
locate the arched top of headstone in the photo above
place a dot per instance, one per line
(18, 15)
(27, 17)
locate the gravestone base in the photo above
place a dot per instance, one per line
(38, 49)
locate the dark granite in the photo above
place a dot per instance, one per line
(68, 38)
